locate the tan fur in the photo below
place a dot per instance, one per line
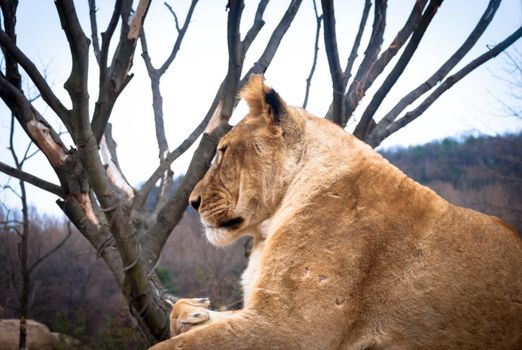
(351, 253)
(188, 313)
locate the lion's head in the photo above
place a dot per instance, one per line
(248, 177)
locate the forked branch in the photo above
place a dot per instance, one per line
(386, 56)
(181, 35)
(363, 127)
(354, 93)
(273, 43)
(357, 42)
(441, 73)
(256, 26)
(332, 53)
(37, 78)
(448, 83)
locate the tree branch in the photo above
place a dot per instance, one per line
(145, 54)
(273, 44)
(11, 65)
(115, 78)
(76, 84)
(256, 26)
(384, 59)
(363, 127)
(448, 83)
(176, 22)
(106, 40)
(318, 20)
(441, 73)
(235, 57)
(94, 29)
(332, 53)
(28, 156)
(143, 193)
(356, 42)
(110, 160)
(157, 105)
(86, 221)
(64, 162)
(179, 39)
(54, 249)
(172, 212)
(354, 94)
(353, 52)
(38, 79)
(33, 180)
(136, 24)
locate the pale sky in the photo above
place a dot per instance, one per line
(190, 84)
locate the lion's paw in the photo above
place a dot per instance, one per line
(188, 313)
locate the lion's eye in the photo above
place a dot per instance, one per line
(221, 152)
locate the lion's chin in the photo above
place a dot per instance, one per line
(219, 236)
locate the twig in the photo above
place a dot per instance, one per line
(143, 193)
(357, 42)
(11, 142)
(157, 100)
(38, 79)
(273, 43)
(386, 56)
(256, 26)
(58, 246)
(441, 73)
(448, 83)
(179, 39)
(28, 156)
(354, 94)
(7, 187)
(318, 21)
(115, 77)
(363, 127)
(94, 29)
(106, 39)
(172, 212)
(171, 10)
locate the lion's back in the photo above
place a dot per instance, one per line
(461, 287)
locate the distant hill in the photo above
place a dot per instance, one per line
(483, 173)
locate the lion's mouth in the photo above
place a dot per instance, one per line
(231, 224)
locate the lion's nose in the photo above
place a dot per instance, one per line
(195, 202)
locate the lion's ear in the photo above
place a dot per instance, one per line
(276, 106)
(262, 100)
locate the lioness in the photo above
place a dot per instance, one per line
(349, 253)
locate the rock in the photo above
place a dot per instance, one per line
(38, 335)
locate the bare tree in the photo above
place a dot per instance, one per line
(22, 229)
(93, 191)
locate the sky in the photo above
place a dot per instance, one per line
(470, 107)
